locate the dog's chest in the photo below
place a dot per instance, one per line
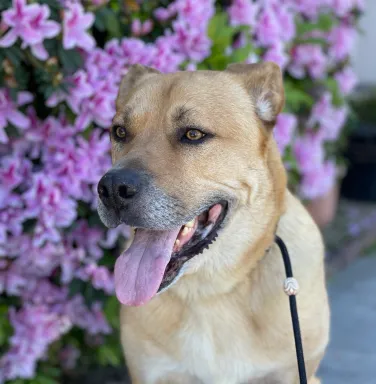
(219, 348)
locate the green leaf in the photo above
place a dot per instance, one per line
(41, 379)
(241, 54)
(51, 371)
(216, 24)
(13, 94)
(28, 225)
(22, 76)
(14, 54)
(296, 98)
(112, 310)
(218, 62)
(312, 40)
(332, 85)
(52, 3)
(324, 23)
(100, 20)
(202, 66)
(5, 4)
(220, 33)
(71, 59)
(5, 326)
(109, 356)
(112, 23)
(83, 209)
(76, 287)
(49, 90)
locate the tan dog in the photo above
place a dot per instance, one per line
(197, 148)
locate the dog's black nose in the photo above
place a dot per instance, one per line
(118, 186)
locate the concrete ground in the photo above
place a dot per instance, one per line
(351, 355)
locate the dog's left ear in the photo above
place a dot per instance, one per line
(135, 74)
(264, 83)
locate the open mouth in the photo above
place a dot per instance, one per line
(155, 258)
(193, 238)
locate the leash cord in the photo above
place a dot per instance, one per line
(294, 312)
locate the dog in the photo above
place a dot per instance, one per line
(198, 175)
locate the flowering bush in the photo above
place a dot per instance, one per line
(61, 63)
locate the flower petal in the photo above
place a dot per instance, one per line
(51, 29)
(18, 119)
(24, 98)
(39, 51)
(9, 39)
(86, 42)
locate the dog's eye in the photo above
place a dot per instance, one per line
(194, 135)
(120, 132)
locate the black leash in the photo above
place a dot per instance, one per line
(291, 288)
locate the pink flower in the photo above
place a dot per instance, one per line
(190, 28)
(346, 80)
(35, 328)
(92, 320)
(42, 292)
(243, 12)
(310, 8)
(113, 234)
(87, 238)
(75, 24)
(135, 51)
(100, 277)
(30, 24)
(309, 152)
(70, 262)
(343, 7)
(308, 57)
(277, 55)
(79, 89)
(100, 108)
(140, 29)
(9, 112)
(12, 282)
(13, 171)
(162, 14)
(329, 119)
(191, 41)
(46, 201)
(318, 181)
(165, 59)
(342, 40)
(274, 24)
(284, 130)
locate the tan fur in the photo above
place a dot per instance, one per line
(227, 320)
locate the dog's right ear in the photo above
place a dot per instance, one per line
(135, 74)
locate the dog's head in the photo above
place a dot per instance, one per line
(189, 150)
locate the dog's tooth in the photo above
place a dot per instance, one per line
(177, 242)
(186, 230)
(191, 223)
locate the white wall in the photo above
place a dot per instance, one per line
(364, 54)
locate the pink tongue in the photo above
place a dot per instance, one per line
(139, 270)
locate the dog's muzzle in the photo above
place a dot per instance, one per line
(131, 196)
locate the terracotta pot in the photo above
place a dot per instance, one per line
(324, 208)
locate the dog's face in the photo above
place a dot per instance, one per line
(188, 150)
